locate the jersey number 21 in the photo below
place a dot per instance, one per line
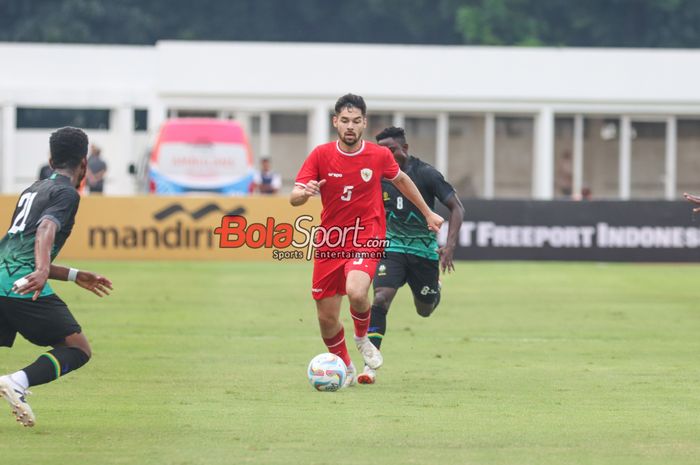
(25, 203)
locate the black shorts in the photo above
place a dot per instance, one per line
(421, 274)
(44, 322)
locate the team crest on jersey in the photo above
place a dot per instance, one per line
(382, 270)
(366, 174)
(386, 196)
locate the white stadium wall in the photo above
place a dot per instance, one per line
(500, 122)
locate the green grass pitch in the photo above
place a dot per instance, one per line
(522, 363)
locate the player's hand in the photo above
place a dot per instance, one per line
(33, 282)
(694, 199)
(314, 188)
(434, 222)
(98, 285)
(446, 253)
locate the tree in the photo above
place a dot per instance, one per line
(593, 23)
(590, 23)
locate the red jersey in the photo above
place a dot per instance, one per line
(353, 187)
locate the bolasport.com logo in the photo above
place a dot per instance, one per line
(316, 241)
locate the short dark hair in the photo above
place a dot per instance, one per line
(350, 101)
(398, 134)
(69, 146)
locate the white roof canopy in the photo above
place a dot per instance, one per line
(443, 76)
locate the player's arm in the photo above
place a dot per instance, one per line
(98, 285)
(306, 184)
(300, 194)
(693, 199)
(409, 190)
(456, 217)
(61, 211)
(43, 242)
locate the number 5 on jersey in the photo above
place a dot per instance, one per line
(347, 193)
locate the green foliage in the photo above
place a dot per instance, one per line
(79, 21)
(592, 23)
(609, 23)
(499, 22)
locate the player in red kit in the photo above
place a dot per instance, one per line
(347, 175)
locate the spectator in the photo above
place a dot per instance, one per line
(586, 194)
(564, 175)
(96, 170)
(266, 181)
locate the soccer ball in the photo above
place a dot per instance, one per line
(327, 372)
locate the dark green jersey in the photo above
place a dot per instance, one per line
(406, 227)
(54, 199)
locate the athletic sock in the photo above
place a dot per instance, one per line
(437, 300)
(377, 326)
(361, 321)
(439, 294)
(55, 363)
(336, 345)
(20, 379)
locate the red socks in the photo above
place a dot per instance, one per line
(361, 321)
(336, 345)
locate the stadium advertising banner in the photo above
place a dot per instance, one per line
(185, 227)
(645, 231)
